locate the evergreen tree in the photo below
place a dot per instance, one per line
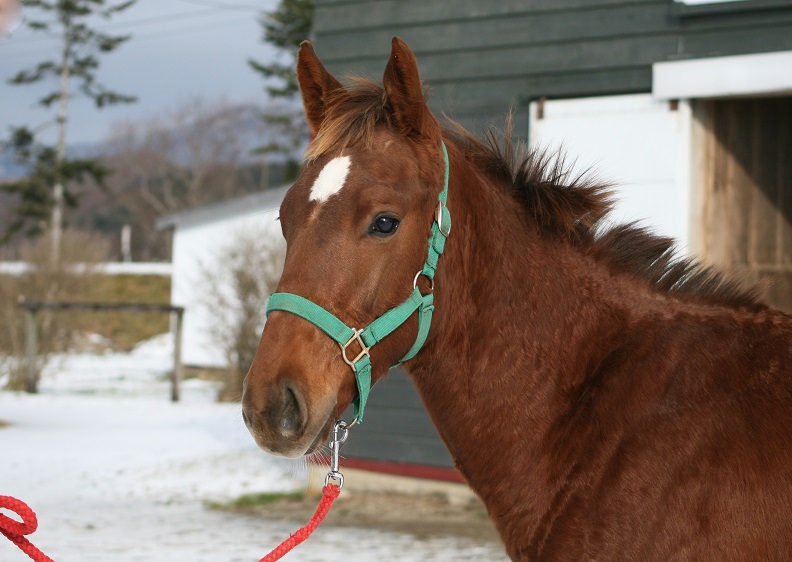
(77, 62)
(34, 191)
(285, 28)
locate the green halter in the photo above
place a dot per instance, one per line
(388, 322)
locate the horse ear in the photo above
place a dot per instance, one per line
(405, 94)
(316, 84)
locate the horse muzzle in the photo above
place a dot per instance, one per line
(279, 421)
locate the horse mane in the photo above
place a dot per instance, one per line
(562, 205)
(575, 207)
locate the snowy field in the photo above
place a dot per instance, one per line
(117, 473)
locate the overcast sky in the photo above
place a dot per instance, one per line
(180, 50)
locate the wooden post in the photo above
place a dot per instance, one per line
(177, 318)
(32, 373)
(31, 351)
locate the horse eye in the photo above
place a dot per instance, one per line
(384, 225)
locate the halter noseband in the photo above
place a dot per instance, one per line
(388, 322)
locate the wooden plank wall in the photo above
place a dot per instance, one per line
(745, 178)
(482, 57)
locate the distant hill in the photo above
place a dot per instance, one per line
(202, 153)
(9, 169)
(251, 130)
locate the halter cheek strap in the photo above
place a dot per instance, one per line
(360, 341)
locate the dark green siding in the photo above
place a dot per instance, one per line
(396, 427)
(482, 57)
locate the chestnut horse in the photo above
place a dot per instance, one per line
(606, 399)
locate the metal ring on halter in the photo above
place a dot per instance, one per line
(431, 281)
(335, 476)
(343, 426)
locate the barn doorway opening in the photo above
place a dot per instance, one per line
(742, 166)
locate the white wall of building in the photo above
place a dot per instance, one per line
(639, 143)
(199, 245)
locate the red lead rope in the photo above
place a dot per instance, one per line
(16, 531)
(329, 494)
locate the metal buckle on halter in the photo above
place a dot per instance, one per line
(439, 218)
(364, 350)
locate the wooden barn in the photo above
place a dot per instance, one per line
(687, 105)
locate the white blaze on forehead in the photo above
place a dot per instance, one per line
(331, 179)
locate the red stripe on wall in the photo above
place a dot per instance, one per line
(401, 469)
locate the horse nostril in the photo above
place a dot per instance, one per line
(291, 421)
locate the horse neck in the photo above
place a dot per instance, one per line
(513, 322)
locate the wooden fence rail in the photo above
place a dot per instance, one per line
(31, 333)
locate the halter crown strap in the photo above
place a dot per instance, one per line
(351, 339)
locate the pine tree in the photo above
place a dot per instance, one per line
(80, 49)
(285, 28)
(34, 191)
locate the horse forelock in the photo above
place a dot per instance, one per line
(351, 117)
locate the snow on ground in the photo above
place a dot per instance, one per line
(118, 473)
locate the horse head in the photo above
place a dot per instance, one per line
(357, 224)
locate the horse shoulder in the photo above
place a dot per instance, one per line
(689, 440)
